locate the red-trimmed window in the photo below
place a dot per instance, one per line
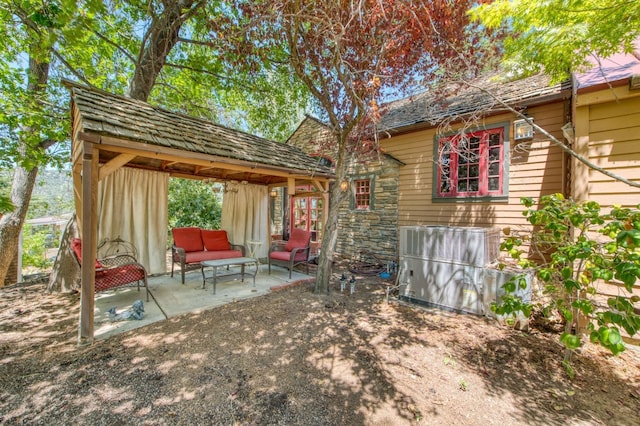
(471, 164)
(363, 194)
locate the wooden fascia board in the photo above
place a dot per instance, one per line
(205, 160)
(607, 94)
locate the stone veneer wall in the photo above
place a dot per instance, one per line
(375, 230)
(276, 217)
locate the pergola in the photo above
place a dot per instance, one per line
(109, 132)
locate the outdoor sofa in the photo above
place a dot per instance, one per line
(192, 245)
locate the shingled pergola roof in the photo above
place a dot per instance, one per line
(182, 145)
(110, 131)
(431, 108)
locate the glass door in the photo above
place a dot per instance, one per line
(306, 213)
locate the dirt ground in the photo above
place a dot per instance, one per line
(296, 358)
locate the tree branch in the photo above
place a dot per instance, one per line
(71, 69)
(112, 43)
(553, 139)
(203, 71)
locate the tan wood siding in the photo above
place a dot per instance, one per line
(614, 144)
(608, 130)
(533, 171)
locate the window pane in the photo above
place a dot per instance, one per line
(362, 193)
(474, 143)
(494, 169)
(445, 185)
(462, 186)
(473, 185)
(494, 184)
(494, 154)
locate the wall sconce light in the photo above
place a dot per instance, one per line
(344, 185)
(273, 193)
(522, 130)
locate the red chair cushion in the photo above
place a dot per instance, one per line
(76, 246)
(299, 239)
(121, 275)
(215, 240)
(188, 238)
(199, 256)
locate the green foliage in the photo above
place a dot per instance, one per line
(581, 247)
(193, 203)
(36, 241)
(100, 44)
(5, 201)
(559, 36)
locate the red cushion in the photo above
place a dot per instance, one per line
(199, 256)
(299, 239)
(76, 246)
(215, 240)
(121, 275)
(188, 238)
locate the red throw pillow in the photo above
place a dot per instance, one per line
(188, 238)
(215, 240)
(299, 239)
(76, 246)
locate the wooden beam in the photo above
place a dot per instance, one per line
(322, 186)
(89, 236)
(291, 186)
(113, 165)
(76, 173)
(195, 158)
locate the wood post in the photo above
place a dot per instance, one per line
(89, 232)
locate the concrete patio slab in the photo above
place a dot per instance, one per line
(169, 298)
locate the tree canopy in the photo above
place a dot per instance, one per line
(347, 52)
(559, 36)
(154, 51)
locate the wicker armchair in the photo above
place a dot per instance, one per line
(115, 271)
(296, 251)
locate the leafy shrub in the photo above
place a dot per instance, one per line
(193, 203)
(35, 242)
(580, 247)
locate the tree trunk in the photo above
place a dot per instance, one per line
(160, 38)
(12, 222)
(330, 237)
(23, 179)
(65, 274)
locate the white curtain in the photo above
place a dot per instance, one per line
(244, 215)
(132, 204)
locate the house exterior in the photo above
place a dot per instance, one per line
(369, 220)
(606, 116)
(464, 165)
(458, 160)
(408, 184)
